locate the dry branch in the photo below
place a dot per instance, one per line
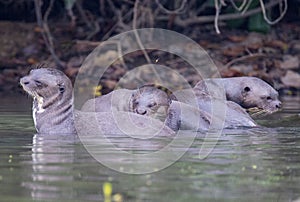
(134, 26)
(242, 58)
(42, 23)
(205, 19)
(176, 11)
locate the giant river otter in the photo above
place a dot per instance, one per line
(231, 113)
(150, 101)
(53, 111)
(146, 100)
(52, 94)
(248, 92)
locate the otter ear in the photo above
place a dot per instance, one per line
(61, 88)
(246, 90)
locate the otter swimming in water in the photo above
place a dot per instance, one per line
(150, 101)
(248, 92)
(52, 94)
(232, 114)
(146, 100)
(181, 116)
(53, 109)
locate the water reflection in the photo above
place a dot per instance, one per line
(52, 159)
(248, 165)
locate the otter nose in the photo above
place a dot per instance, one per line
(141, 111)
(24, 81)
(278, 105)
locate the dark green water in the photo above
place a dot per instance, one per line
(245, 165)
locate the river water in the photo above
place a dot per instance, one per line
(245, 165)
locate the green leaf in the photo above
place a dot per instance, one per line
(236, 23)
(257, 23)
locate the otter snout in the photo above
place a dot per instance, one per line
(273, 106)
(24, 81)
(278, 105)
(141, 111)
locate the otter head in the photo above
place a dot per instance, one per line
(44, 83)
(258, 93)
(150, 101)
(52, 99)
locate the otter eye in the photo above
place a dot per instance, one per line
(269, 98)
(38, 83)
(61, 88)
(152, 104)
(246, 89)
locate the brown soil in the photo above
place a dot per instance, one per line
(273, 57)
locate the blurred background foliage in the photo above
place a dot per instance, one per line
(108, 17)
(64, 32)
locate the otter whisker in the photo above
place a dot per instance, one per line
(253, 110)
(248, 92)
(260, 113)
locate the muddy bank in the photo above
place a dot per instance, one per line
(274, 57)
